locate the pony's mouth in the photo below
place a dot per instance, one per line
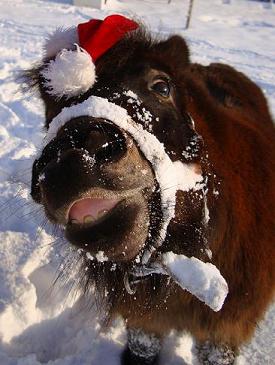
(90, 210)
(113, 222)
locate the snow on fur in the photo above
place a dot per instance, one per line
(143, 344)
(71, 73)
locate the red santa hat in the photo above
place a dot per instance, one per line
(73, 53)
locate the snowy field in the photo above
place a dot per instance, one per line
(41, 325)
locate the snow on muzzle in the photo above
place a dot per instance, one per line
(177, 175)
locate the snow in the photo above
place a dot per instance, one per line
(41, 324)
(131, 94)
(101, 257)
(201, 279)
(186, 177)
(94, 106)
(142, 344)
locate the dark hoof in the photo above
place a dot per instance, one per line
(128, 358)
(210, 354)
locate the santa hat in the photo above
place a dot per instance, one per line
(72, 71)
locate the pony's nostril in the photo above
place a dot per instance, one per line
(106, 143)
(112, 150)
(95, 141)
(103, 141)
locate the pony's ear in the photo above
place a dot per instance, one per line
(174, 51)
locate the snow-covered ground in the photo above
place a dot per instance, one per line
(39, 324)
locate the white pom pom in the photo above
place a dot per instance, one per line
(71, 73)
(61, 38)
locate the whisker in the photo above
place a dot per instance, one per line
(9, 200)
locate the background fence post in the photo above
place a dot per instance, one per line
(189, 14)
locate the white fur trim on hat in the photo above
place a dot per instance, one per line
(70, 74)
(60, 39)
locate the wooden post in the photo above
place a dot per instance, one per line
(189, 14)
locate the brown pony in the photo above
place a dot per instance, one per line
(212, 118)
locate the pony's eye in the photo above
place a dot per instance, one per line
(161, 87)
